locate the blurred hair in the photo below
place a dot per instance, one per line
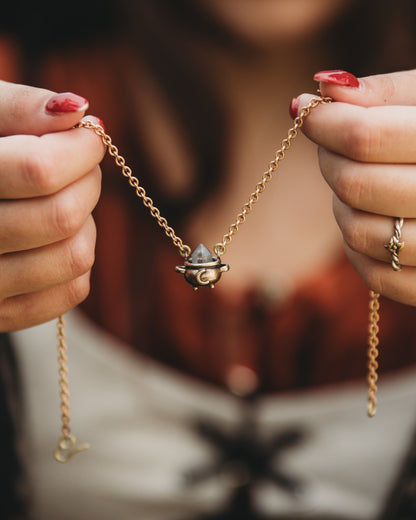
(371, 37)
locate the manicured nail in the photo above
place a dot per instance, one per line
(294, 107)
(337, 77)
(66, 102)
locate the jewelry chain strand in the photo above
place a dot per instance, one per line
(220, 248)
(66, 448)
(67, 443)
(184, 250)
(63, 379)
(372, 353)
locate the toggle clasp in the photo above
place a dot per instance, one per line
(67, 448)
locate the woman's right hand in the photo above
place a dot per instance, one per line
(50, 182)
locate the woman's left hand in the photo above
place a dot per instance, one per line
(367, 154)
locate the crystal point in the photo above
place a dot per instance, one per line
(201, 255)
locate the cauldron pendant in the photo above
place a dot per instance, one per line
(202, 268)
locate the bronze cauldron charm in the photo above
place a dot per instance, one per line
(202, 268)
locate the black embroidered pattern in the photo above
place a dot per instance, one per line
(248, 460)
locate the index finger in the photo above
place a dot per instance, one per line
(36, 111)
(384, 134)
(397, 88)
(32, 166)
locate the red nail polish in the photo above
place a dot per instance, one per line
(294, 107)
(66, 102)
(337, 77)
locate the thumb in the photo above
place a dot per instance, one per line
(36, 111)
(398, 88)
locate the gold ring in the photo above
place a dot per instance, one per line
(395, 245)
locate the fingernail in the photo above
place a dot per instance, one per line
(66, 102)
(294, 107)
(337, 77)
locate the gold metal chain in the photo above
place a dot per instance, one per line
(67, 444)
(184, 250)
(220, 248)
(67, 447)
(372, 353)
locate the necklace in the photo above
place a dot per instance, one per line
(203, 268)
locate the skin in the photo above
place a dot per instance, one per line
(47, 233)
(367, 157)
(270, 22)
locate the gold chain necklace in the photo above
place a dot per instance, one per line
(202, 268)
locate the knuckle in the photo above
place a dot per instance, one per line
(95, 190)
(324, 162)
(39, 170)
(373, 279)
(77, 291)
(98, 176)
(81, 254)
(382, 283)
(354, 230)
(342, 186)
(66, 215)
(349, 186)
(9, 321)
(20, 312)
(362, 140)
(353, 235)
(370, 271)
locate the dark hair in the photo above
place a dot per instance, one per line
(372, 36)
(375, 37)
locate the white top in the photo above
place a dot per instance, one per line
(137, 414)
